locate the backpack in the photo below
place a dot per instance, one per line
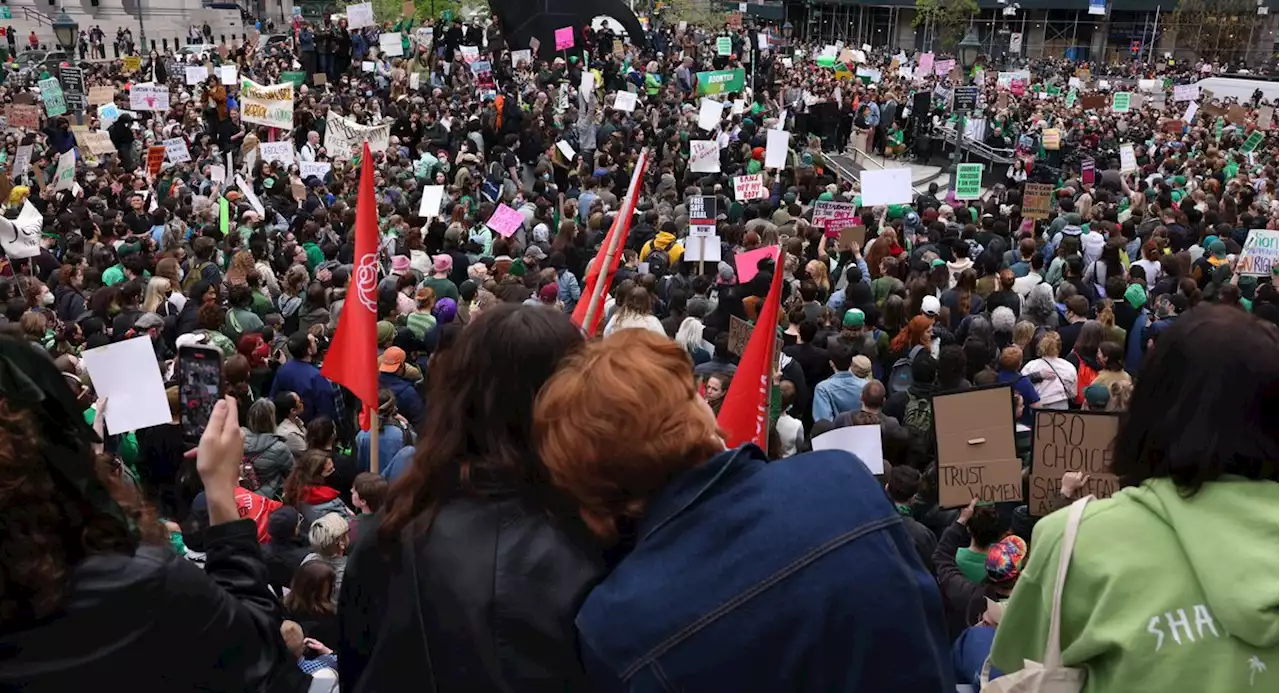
(194, 276)
(659, 262)
(917, 418)
(900, 374)
(249, 473)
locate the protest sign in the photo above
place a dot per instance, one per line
(1093, 102)
(132, 63)
(360, 16)
(890, 186)
(977, 457)
(1120, 101)
(721, 82)
(51, 94)
(108, 113)
(196, 74)
(924, 66)
(749, 187)
(863, 441)
(1128, 160)
(824, 210)
(724, 45)
(709, 112)
(968, 181)
(704, 156)
(777, 144)
(391, 44)
(524, 55)
(155, 159)
(101, 95)
(297, 78)
(1236, 114)
(505, 220)
(746, 263)
(1037, 199)
(739, 335)
(319, 169)
(23, 116)
(271, 106)
(247, 190)
(1252, 143)
(1070, 441)
(624, 101)
(432, 198)
(707, 249)
(228, 75)
(1258, 257)
(1086, 171)
(99, 143)
(1186, 92)
(1265, 114)
(153, 97)
(73, 87)
(1052, 139)
(65, 176)
(849, 234)
(23, 240)
(175, 150)
(1191, 112)
(127, 374)
(277, 151)
(22, 160)
(564, 38)
(368, 66)
(343, 137)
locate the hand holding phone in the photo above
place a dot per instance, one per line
(199, 387)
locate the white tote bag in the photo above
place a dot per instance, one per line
(1049, 676)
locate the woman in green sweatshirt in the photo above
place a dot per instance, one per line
(1172, 585)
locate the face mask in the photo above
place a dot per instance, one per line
(47, 299)
(182, 274)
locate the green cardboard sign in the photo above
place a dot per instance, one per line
(968, 181)
(721, 81)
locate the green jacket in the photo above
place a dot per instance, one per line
(1163, 593)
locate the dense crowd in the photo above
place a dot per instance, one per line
(549, 503)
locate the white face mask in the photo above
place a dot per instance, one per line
(182, 274)
(47, 298)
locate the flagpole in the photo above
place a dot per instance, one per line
(611, 251)
(374, 434)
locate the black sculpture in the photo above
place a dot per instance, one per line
(522, 20)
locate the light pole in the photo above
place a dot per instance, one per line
(968, 52)
(67, 32)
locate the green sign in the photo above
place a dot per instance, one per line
(1217, 128)
(5, 12)
(1252, 143)
(968, 181)
(447, 15)
(1071, 98)
(51, 94)
(721, 81)
(1120, 101)
(298, 78)
(724, 45)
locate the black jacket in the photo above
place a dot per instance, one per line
(155, 622)
(484, 600)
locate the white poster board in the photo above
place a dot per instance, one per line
(775, 152)
(360, 16)
(890, 186)
(1128, 161)
(391, 44)
(704, 156)
(709, 113)
(624, 101)
(128, 376)
(277, 151)
(175, 150)
(432, 197)
(228, 75)
(862, 441)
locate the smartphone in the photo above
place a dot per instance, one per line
(199, 387)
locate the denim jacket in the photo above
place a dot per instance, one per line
(796, 575)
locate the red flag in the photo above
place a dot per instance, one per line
(352, 360)
(614, 240)
(745, 412)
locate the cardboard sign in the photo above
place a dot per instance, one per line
(155, 159)
(1265, 114)
(1237, 114)
(749, 187)
(739, 335)
(1121, 101)
(1260, 253)
(101, 95)
(407, 9)
(360, 16)
(175, 150)
(23, 116)
(977, 457)
(505, 220)
(1070, 441)
(704, 156)
(564, 38)
(1173, 127)
(1037, 200)
(850, 235)
(1093, 102)
(1052, 139)
(969, 181)
(99, 143)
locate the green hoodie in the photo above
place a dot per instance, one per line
(1163, 593)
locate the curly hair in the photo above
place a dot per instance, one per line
(48, 527)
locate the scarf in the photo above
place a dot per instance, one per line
(317, 495)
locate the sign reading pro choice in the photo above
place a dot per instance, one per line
(1069, 441)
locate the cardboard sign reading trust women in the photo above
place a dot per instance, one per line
(976, 453)
(1070, 441)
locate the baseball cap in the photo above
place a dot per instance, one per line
(1005, 559)
(536, 253)
(147, 321)
(930, 306)
(1097, 396)
(854, 318)
(391, 360)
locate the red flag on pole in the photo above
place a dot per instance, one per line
(352, 360)
(591, 308)
(744, 416)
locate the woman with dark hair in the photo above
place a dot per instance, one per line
(310, 601)
(962, 299)
(306, 490)
(90, 587)
(1196, 462)
(788, 538)
(322, 435)
(419, 602)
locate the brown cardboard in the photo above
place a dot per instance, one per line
(1237, 114)
(977, 457)
(1265, 113)
(1037, 200)
(101, 95)
(1070, 441)
(739, 335)
(1213, 110)
(1094, 102)
(24, 116)
(319, 79)
(852, 234)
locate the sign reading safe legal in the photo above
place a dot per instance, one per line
(1070, 441)
(977, 457)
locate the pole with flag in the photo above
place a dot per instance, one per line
(352, 360)
(744, 416)
(600, 272)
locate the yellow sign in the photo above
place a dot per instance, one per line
(1052, 139)
(132, 63)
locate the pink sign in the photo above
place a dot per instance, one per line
(564, 38)
(505, 220)
(840, 221)
(746, 263)
(1017, 87)
(943, 67)
(925, 65)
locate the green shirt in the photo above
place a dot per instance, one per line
(972, 564)
(442, 287)
(112, 275)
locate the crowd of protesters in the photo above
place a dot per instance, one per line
(552, 512)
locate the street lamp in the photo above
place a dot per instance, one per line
(968, 51)
(786, 30)
(66, 31)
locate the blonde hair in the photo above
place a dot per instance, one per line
(328, 534)
(155, 294)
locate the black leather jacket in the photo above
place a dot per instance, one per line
(155, 622)
(484, 600)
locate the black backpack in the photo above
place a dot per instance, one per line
(659, 262)
(900, 375)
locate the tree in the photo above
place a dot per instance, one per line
(390, 10)
(1218, 30)
(946, 18)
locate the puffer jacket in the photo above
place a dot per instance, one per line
(271, 458)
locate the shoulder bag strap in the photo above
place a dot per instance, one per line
(1053, 648)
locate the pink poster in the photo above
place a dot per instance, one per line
(564, 38)
(505, 220)
(926, 64)
(746, 263)
(943, 67)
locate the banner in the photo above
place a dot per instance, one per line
(271, 106)
(342, 137)
(721, 81)
(149, 97)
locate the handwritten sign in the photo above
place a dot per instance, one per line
(55, 104)
(271, 106)
(391, 44)
(1037, 199)
(228, 75)
(739, 335)
(823, 211)
(149, 97)
(196, 74)
(704, 156)
(1186, 92)
(564, 38)
(132, 63)
(749, 187)
(1128, 160)
(977, 457)
(175, 150)
(360, 16)
(1261, 253)
(319, 169)
(625, 101)
(1067, 441)
(101, 95)
(23, 116)
(505, 220)
(277, 151)
(968, 181)
(1052, 139)
(99, 143)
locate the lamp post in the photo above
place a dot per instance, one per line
(968, 53)
(787, 28)
(67, 32)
